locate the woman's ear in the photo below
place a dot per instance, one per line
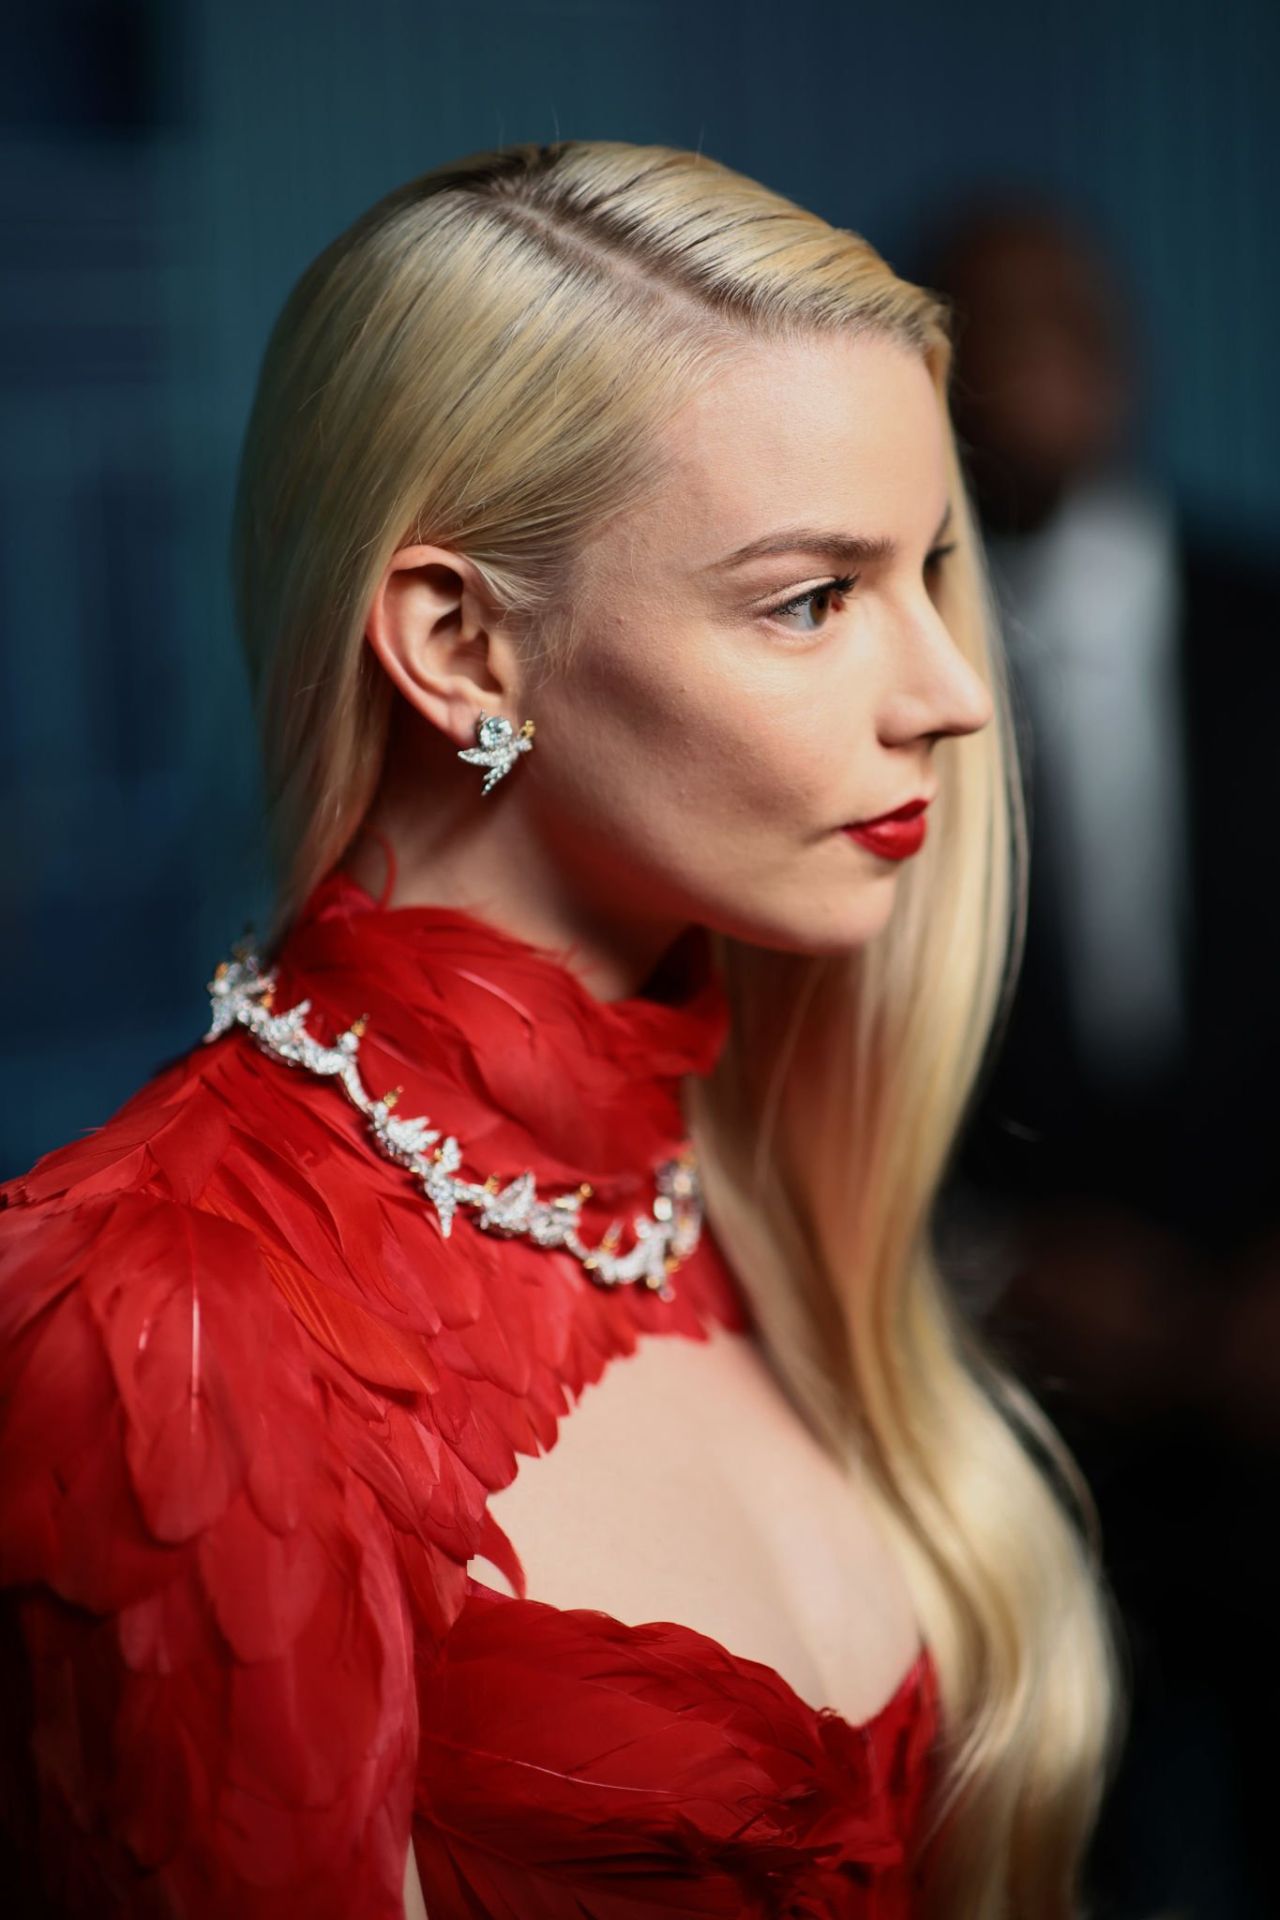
(439, 636)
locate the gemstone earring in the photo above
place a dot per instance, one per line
(498, 747)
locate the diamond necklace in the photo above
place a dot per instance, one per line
(241, 995)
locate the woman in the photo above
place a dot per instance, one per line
(605, 567)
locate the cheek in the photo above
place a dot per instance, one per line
(660, 743)
(752, 764)
(758, 748)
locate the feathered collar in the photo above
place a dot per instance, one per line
(499, 1041)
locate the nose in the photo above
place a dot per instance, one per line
(934, 690)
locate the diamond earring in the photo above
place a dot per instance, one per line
(499, 744)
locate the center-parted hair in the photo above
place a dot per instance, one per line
(486, 360)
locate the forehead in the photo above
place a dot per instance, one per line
(830, 430)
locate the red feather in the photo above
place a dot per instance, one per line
(253, 1405)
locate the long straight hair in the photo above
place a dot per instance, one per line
(486, 359)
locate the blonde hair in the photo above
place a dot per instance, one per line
(485, 359)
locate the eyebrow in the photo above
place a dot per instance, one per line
(844, 548)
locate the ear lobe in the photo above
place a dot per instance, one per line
(435, 632)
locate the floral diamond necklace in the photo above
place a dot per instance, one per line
(241, 995)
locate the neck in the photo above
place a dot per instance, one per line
(498, 878)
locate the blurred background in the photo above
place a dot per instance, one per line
(1095, 186)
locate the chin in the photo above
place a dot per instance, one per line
(856, 927)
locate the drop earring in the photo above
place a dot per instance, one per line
(499, 744)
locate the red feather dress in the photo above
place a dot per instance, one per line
(252, 1405)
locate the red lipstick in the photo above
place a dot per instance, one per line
(894, 835)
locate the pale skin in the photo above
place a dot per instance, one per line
(696, 766)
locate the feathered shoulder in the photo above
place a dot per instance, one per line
(227, 1500)
(253, 1405)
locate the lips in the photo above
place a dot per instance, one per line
(907, 812)
(896, 835)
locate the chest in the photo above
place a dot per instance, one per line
(683, 1485)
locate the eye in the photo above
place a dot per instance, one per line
(841, 586)
(933, 560)
(808, 599)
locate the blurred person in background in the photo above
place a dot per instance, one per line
(1123, 1153)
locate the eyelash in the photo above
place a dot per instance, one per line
(843, 584)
